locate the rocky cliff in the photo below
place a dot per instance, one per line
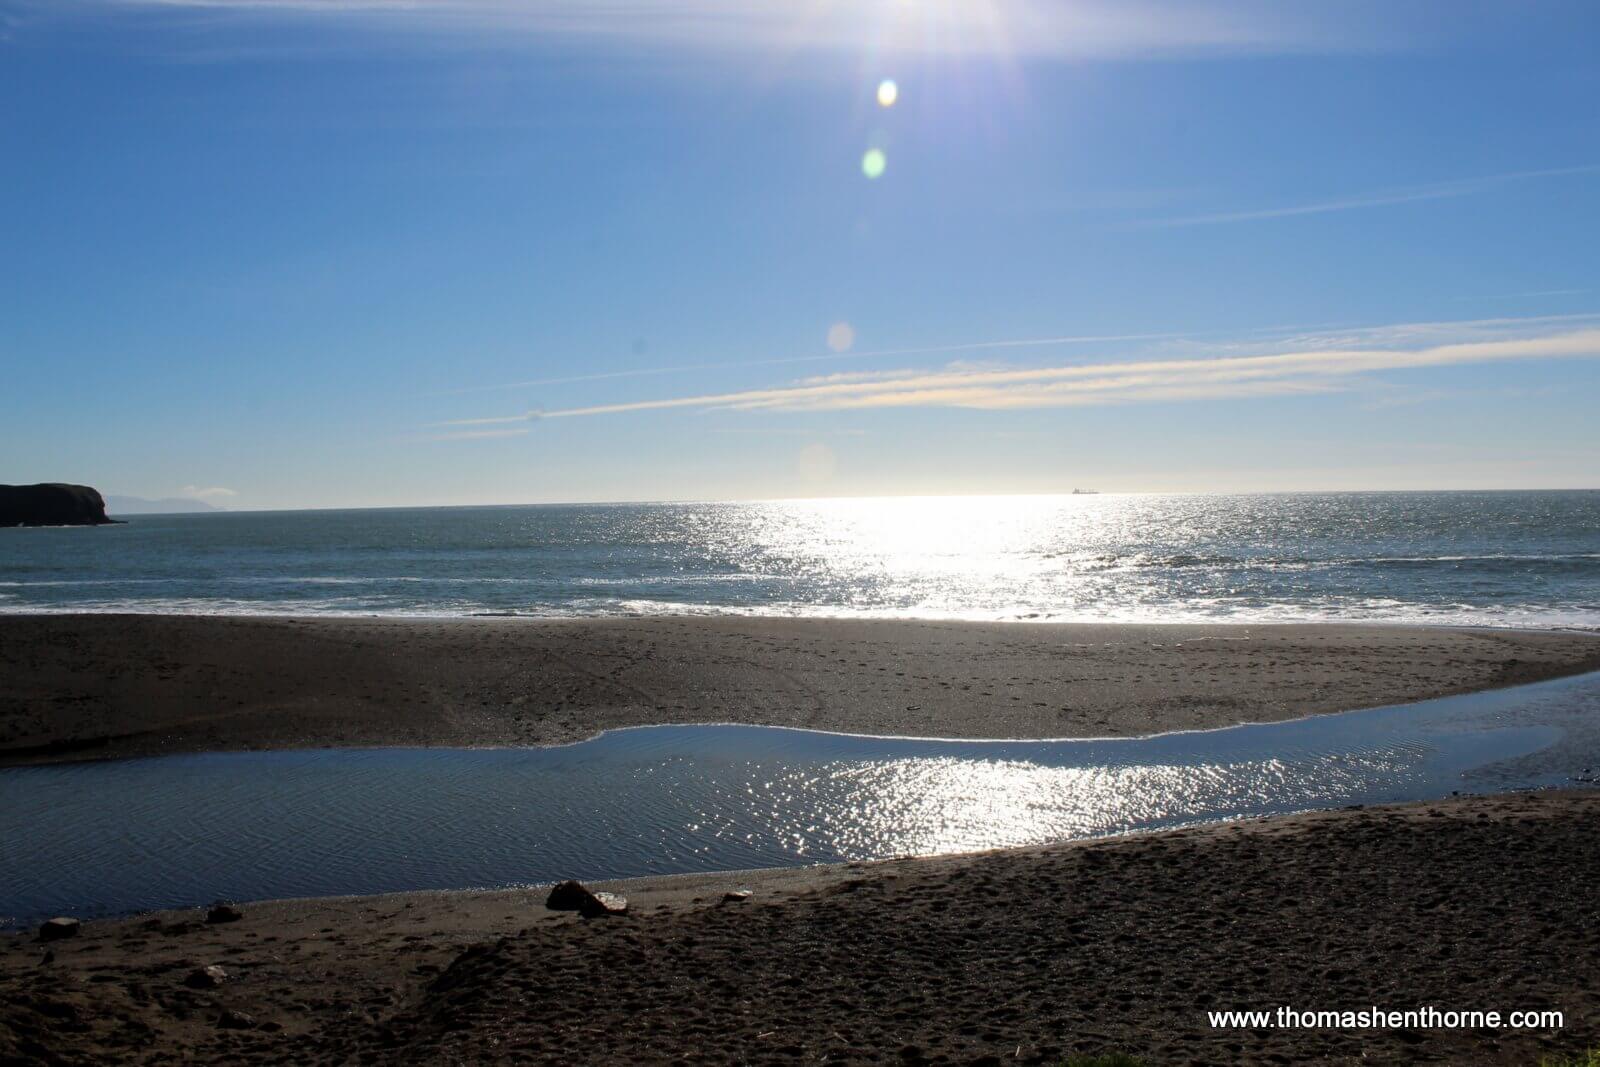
(52, 504)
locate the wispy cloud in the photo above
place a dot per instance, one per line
(789, 431)
(829, 357)
(1525, 294)
(213, 493)
(1390, 198)
(1201, 340)
(1303, 371)
(479, 435)
(1399, 334)
(1394, 397)
(857, 376)
(1082, 28)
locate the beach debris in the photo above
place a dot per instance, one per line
(57, 928)
(235, 1020)
(575, 896)
(223, 912)
(736, 896)
(206, 977)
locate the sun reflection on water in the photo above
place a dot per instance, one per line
(938, 552)
(943, 804)
(139, 834)
(1507, 558)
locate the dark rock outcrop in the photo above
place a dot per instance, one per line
(52, 504)
(206, 977)
(223, 911)
(575, 896)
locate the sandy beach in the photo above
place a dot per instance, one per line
(1024, 956)
(99, 686)
(1031, 955)
(1111, 486)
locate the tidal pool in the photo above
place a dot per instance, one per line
(114, 837)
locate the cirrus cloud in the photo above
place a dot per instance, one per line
(1307, 370)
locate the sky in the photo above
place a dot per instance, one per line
(321, 253)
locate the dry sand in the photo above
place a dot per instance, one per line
(117, 685)
(997, 958)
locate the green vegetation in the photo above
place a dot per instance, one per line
(1122, 1059)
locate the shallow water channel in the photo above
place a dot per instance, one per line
(119, 836)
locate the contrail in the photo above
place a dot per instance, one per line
(1436, 191)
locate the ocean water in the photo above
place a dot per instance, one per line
(104, 837)
(1509, 558)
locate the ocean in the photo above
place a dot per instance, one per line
(1464, 558)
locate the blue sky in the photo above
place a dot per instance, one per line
(361, 252)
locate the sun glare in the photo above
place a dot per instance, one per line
(888, 92)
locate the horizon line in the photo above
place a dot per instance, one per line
(663, 502)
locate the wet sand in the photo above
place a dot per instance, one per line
(1023, 956)
(91, 686)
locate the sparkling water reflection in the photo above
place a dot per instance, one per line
(1514, 558)
(126, 835)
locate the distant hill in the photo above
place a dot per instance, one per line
(167, 505)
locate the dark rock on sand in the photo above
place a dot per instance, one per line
(575, 896)
(567, 896)
(58, 928)
(52, 504)
(223, 912)
(236, 1020)
(206, 977)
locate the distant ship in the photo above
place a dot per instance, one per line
(1085, 492)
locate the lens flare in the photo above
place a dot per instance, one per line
(874, 162)
(888, 92)
(841, 336)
